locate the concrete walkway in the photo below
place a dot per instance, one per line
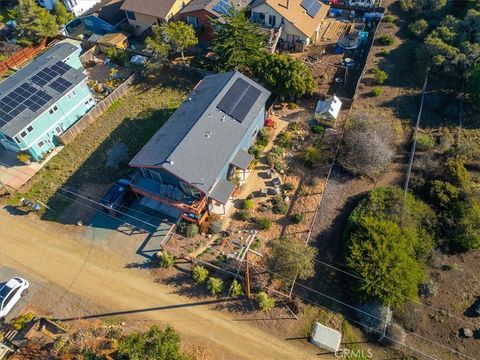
(15, 174)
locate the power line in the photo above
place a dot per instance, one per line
(344, 304)
(364, 312)
(316, 260)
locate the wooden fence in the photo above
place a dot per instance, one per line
(21, 56)
(95, 112)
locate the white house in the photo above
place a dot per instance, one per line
(301, 20)
(328, 109)
(78, 7)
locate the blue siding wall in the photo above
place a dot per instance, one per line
(98, 26)
(42, 138)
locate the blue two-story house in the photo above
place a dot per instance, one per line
(103, 18)
(193, 164)
(43, 100)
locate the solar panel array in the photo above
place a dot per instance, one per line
(60, 85)
(239, 99)
(223, 7)
(27, 96)
(311, 6)
(48, 74)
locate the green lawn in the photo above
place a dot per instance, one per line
(131, 121)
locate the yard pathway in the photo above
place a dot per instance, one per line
(59, 254)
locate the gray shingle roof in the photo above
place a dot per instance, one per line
(198, 140)
(222, 191)
(242, 159)
(57, 53)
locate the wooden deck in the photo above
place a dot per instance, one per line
(333, 30)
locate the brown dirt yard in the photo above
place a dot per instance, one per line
(59, 254)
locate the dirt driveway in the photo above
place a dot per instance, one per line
(48, 252)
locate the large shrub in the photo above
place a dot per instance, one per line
(155, 344)
(165, 260)
(367, 147)
(389, 258)
(289, 257)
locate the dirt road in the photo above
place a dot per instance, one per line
(60, 255)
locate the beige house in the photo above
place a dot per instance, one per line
(300, 20)
(142, 14)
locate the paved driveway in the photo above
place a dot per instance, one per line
(14, 174)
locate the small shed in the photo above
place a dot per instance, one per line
(117, 40)
(325, 337)
(328, 109)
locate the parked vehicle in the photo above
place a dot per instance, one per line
(476, 308)
(117, 197)
(10, 293)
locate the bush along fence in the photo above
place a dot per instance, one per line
(98, 110)
(21, 56)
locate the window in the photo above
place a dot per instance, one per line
(258, 17)
(58, 129)
(71, 94)
(130, 15)
(30, 128)
(40, 144)
(17, 140)
(88, 22)
(272, 20)
(106, 27)
(193, 20)
(10, 297)
(23, 134)
(52, 110)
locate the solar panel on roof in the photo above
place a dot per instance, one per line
(60, 67)
(230, 99)
(246, 103)
(60, 85)
(311, 6)
(239, 99)
(38, 80)
(223, 7)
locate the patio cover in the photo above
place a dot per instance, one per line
(222, 190)
(242, 159)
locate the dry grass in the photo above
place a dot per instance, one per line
(132, 121)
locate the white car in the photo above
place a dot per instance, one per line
(10, 293)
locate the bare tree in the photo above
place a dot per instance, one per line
(367, 146)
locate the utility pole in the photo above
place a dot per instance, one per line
(247, 276)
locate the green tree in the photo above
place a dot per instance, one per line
(155, 344)
(467, 229)
(179, 35)
(285, 76)
(388, 203)
(380, 254)
(289, 257)
(34, 22)
(158, 43)
(420, 6)
(62, 15)
(473, 86)
(199, 274)
(237, 42)
(214, 285)
(418, 28)
(264, 302)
